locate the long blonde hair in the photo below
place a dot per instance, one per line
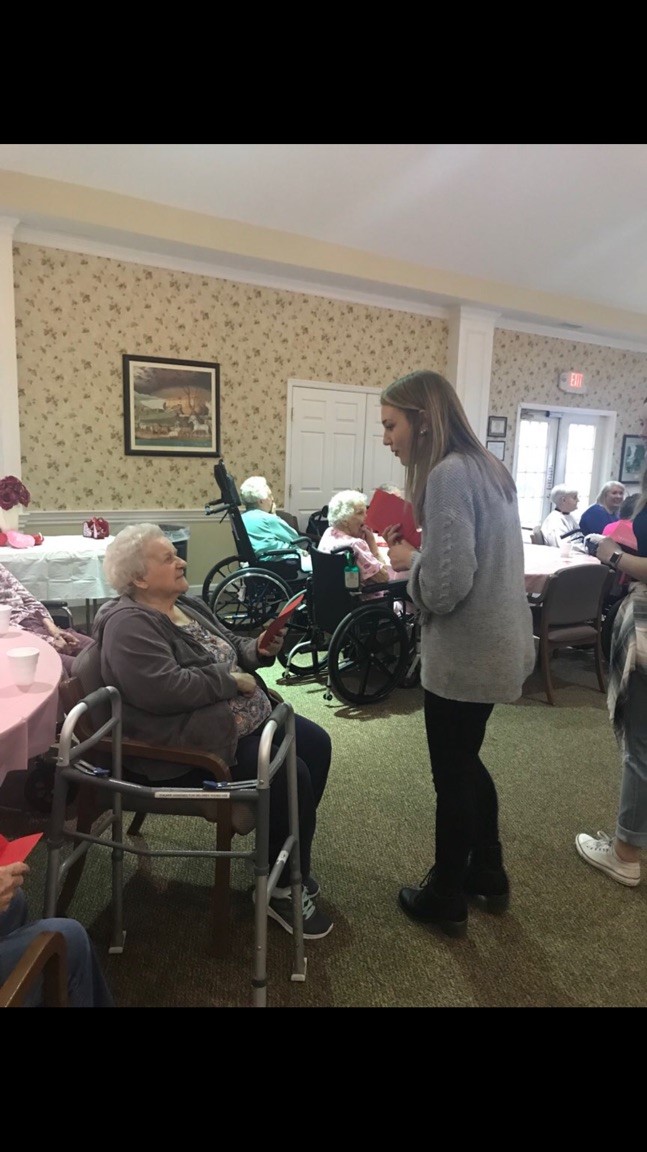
(428, 399)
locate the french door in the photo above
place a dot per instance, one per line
(560, 446)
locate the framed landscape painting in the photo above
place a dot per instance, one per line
(171, 407)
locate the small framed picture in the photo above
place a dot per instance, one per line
(497, 425)
(632, 459)
(497, 448)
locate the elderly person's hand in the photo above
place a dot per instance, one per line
(273, 647)
(245, 683)
(367, 534)
(11, 878)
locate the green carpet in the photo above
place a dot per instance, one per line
(572, 937)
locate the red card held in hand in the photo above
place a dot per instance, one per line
(15, 851)
(280, 621)
(385, 509)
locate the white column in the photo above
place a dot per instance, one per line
(469, 362)
(9, 421)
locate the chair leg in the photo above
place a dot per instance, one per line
(135, 826)
(599, 664)
(545, 654)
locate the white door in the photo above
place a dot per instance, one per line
(380, 465)
(334, 441)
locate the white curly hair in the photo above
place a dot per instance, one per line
(344, 504)
(125, 559)
(253, 490)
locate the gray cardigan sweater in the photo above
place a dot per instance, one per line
(172, 691)
(468, 582)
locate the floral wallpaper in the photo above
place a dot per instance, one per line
(76, 315)
(526, 368)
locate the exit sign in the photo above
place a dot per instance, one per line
(572, 382)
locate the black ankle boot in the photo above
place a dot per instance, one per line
(429, 906)
(486, 881)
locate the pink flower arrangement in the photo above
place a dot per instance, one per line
(13, 492)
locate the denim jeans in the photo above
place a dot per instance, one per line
(632, 810)
(86, 985)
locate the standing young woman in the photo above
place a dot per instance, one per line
(477, 644)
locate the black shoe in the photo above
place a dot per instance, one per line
(485, 880)
(426, 905)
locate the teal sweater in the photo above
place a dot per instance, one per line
(267, 530)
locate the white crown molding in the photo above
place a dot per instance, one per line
(573, 335)
(222, 272)
(87, 247)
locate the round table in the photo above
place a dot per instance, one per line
(27, 715)
(540, 561)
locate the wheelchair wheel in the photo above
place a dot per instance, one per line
(248, 598)
(217, 573)
(305, 648)
(368, 655)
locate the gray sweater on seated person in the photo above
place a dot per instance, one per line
(468, 582)
(172, 691)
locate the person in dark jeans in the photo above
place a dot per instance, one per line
(477, 646)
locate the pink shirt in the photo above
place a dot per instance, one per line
(367, 563)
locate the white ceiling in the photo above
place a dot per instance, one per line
(565, 219)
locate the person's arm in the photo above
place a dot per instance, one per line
(442, 573)
(379, 575)
(551, 532)
(635, 567)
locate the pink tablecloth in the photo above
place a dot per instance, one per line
(540, 561)
(27, 715)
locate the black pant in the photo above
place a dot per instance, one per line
(466, 800)
(314, 750)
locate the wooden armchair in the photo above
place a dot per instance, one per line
(46, 957)
(77, 765)
(97, 803)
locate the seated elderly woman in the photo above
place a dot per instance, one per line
(265, 529)
(561, 520)
(29, 613)
(186, 680)
(346, 516)
(605, 510)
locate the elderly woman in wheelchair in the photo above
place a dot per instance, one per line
(264, 528)
(245, 590)
(185, 679)
(347, 528)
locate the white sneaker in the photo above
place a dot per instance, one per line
(601, 854)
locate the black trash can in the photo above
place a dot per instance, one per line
(179, 536)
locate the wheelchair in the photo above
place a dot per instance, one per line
(246, 590)
(365, 642)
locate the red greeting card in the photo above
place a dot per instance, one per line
(13, 851)
(385, 509)
(274, 627)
